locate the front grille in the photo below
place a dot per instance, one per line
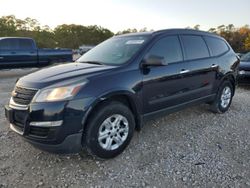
(23, 96)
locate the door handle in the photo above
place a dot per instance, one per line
(214, 66)
(1, 57)
(13, 52)
(183, 71)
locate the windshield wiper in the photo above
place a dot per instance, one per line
(92, 62)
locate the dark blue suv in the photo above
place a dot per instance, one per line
(98, 102)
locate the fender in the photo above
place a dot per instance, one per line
(134, 102)
(228, 76)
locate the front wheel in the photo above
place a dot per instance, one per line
(109, 130)
(223, 99)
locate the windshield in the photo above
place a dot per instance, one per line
(114, 51)
(245, 57)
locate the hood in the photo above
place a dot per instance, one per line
(60, 73)
(244, 65)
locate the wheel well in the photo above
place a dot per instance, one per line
(124, 99)
(231, 79)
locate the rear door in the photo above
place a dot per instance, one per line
(218, 48)
(199, 69)
(27, 51)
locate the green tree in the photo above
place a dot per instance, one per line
(127, 31)
(197, 27)
(7, 25)
(212, 30)
(247, 43)
(73, 36)
(68, 36)
(221, 28)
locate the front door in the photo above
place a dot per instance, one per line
(163, 86)
(8, 51)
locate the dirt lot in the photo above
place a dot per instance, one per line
(190, 148)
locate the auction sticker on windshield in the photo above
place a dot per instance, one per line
(135, 42)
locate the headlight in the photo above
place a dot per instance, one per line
(58, 94)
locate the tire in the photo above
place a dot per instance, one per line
(220, 105)
(109, 130)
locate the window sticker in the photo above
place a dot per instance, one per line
(135, 42)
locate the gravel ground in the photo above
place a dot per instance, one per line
(190, 148)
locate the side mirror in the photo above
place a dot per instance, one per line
(154, 60)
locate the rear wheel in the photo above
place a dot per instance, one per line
(109, 130)
(223, 99)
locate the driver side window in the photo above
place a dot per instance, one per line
(168, 47)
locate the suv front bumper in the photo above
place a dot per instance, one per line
(55, 127)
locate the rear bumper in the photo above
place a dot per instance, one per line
(35, 124)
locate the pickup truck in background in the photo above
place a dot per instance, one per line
(23, 52)
(84, 48)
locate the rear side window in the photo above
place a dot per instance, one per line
(194, 47)
(168, 47)
(26, 44)
(216, 46)
(8, 44)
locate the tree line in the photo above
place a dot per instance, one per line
(63, 36)
(238, 38)
(73, 36)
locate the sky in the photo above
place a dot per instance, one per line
(118, 15)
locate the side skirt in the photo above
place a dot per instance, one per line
(176, 108)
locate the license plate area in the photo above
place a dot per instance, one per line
(9, 114)
(20, 117)
(17, 119)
